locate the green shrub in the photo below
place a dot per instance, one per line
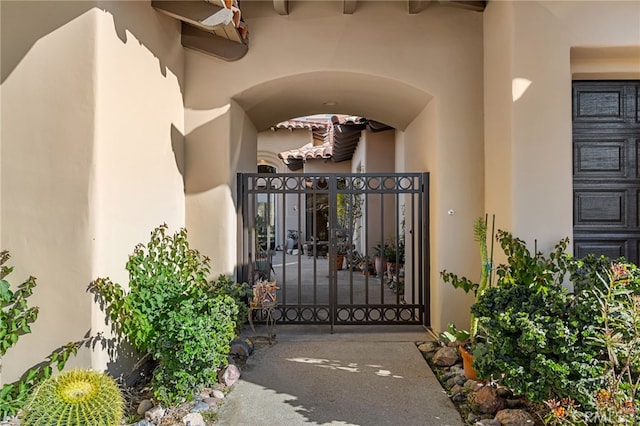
(16, 317)
(606, 309)
(239, 292)
(171, 313)
(529, 345)
(78, 398)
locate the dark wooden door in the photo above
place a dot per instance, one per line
(606, 168)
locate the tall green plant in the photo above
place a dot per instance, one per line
(480, 229)
(170, 313)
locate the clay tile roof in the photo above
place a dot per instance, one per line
(334, 137)
(295, 158)
(300, 124)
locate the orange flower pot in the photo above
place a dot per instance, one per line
(467, 363)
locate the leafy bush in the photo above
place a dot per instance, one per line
(239, 292)
(16, 317)
(171, 313)
(609, 315)
(529, 344)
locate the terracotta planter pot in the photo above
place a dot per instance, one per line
(467, 363)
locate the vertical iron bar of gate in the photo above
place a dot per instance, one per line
(332, 254)
(425, 240)
(283, 239)
(381, 196)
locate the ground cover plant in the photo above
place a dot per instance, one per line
(172, 314)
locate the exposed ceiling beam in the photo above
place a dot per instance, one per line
(206, 42)
(349, 6)
(202, 14)
(281, 6)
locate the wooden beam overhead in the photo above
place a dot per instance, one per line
(349, 6)
(211, 44)
(281, 6)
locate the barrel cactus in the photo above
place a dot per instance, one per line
(75, 398)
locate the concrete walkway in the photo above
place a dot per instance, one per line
(360, 375)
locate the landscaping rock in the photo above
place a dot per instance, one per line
(229, 375)
(445, 357)
(487, 401)
(510, 417)
(155, 414)
(200, 406)
(218, 394)
(427, 347)
(193, 419)
(488, 422)
(144, 406)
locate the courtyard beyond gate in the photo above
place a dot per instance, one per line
(342, 248)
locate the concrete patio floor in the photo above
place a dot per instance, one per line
(360, 375)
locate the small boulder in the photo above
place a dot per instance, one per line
(516, 417)
(486, 400)
(229, 375)
(193, 419)
(144, 406)
(155, 414)
(445, 357)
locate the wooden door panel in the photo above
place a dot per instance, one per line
(606, 169)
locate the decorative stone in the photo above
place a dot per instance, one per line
(218, 394)
(144, 406)
(155, 414)
(459, 397)
(144, 422)
(445, 357)
(200, 406)
(229, 375)
(211, 401)
(486, 400)
(473, 385)
(427, 347)
(514, 418)
(456, 389)
(193, 419)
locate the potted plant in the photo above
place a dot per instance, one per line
(394, 255)
(379, 258)
(466, 340)
(348, 214)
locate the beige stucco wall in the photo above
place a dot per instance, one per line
(220, 142)
(437, 53)
(92, 124)
(528, 153)
(271, 143)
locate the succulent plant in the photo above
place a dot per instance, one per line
(75, 398)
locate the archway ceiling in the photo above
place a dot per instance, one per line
(388, 101)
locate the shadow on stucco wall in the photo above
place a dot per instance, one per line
(24, 23)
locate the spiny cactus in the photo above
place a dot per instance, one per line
(75, 398)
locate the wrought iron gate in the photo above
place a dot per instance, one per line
(324, 239)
